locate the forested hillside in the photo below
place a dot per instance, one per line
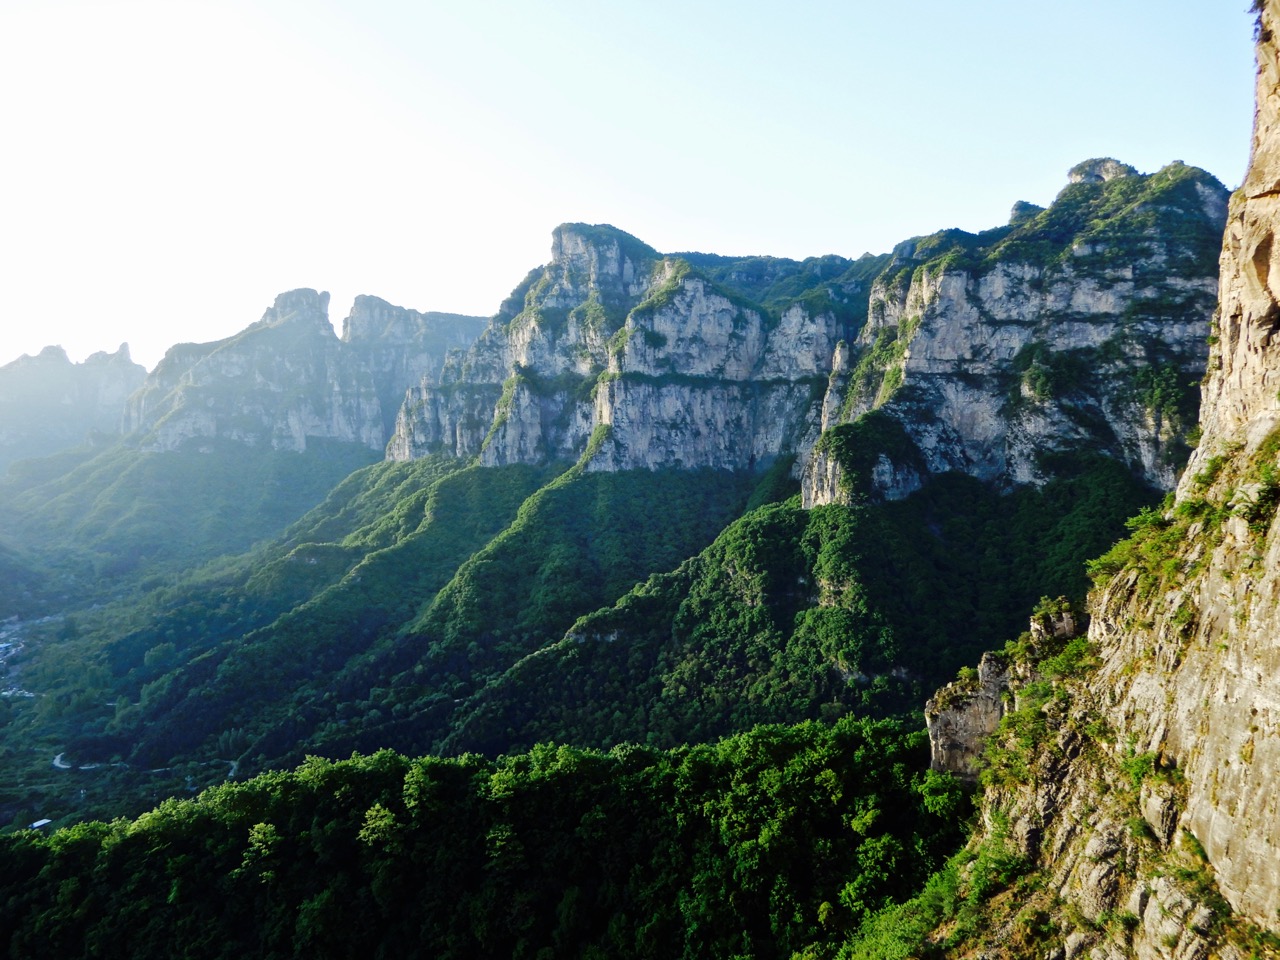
(714, 527)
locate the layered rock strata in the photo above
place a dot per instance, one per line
(994, 350)
(641, 360)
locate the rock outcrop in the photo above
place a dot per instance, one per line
(1147, 802)
(1099, 170)
(963, 715)
(288, 380)
(399, 348)
(48, 403)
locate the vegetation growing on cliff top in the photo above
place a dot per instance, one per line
(1117, 224)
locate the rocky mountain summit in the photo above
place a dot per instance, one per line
(649, 361)
(288, 378)
(1134, 767)
(1099, 170)
(48, 403)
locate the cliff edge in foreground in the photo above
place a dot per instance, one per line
(1133, 770)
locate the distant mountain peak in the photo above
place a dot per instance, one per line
(568, 235)
(1099, 170)
(48, 403)
(53, 352)
(303, 305)
(1023, 211)
(287, 379)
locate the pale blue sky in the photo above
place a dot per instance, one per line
(168, 167)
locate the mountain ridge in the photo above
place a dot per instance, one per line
(48, 403)
(560, 361)
(611, 379)
(289, 377)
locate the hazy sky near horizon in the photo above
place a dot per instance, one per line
(169, 167)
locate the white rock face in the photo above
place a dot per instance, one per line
(287, 380)
(588, 259)
(963, 715)
(964, 349)
(822, 482)
(1210, 699)
(612, 335)
(401, 347)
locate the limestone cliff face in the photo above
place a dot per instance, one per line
(400, 347)
(700, 380)
(1149, 804)
(48, 403)
(1078, 327)
(646, 355)
(288, 380)
(999, 349)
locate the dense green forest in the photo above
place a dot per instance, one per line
(795, 614)
(203, 671)
(766, 844)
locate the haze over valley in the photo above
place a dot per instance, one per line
(910, 603)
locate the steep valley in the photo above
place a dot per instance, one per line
(657, 568)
